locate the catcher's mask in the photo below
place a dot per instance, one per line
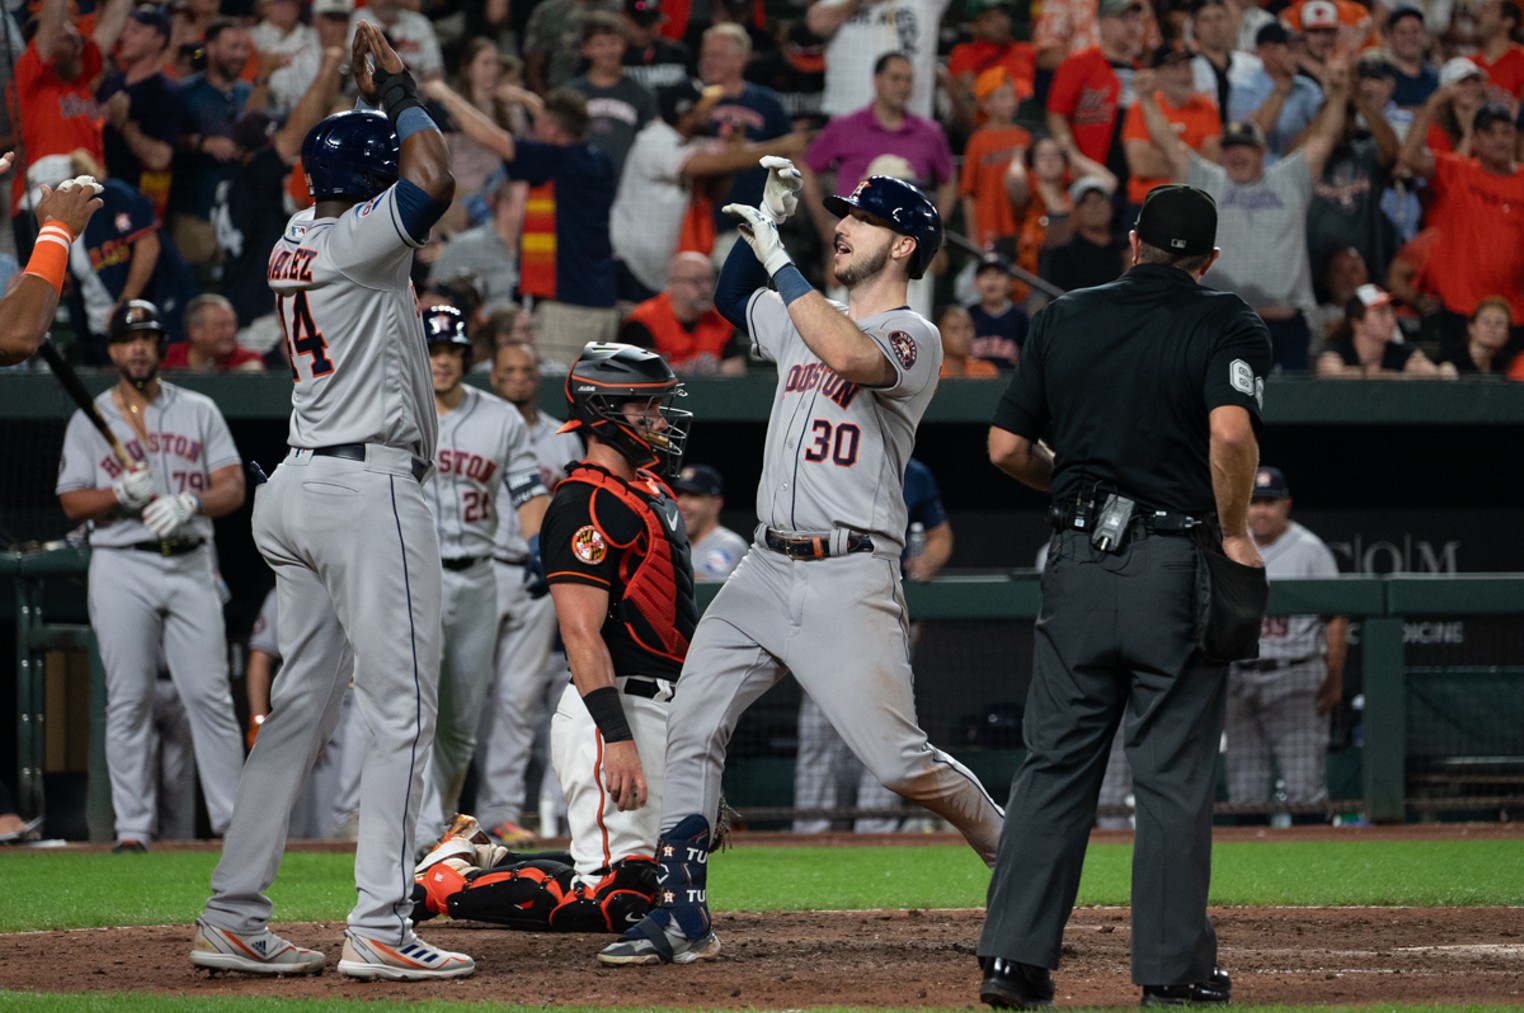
(603, 382)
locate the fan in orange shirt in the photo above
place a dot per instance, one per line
(1193, 115)
(986, 208)
(991, 46)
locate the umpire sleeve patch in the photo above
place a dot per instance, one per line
(1241, 375)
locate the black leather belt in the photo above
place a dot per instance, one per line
(814, 546)
(169, 546)
(512, 560)
(1272, 664)
(356, 452)
(1078, 516)
(458, 563)
(648, 688)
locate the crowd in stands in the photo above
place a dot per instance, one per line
(1365, 160)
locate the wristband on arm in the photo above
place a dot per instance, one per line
(608, 714)
(50, 255)
(397, 92)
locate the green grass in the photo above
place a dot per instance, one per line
(61, 890)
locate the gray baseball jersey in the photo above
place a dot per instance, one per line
(187, 441)
(836, 453)
(553, 451)
(343, 290)
(1297, 553)
(484, 450)
(717, 553)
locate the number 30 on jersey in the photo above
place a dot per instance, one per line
(837, 443)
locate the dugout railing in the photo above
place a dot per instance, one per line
(1411, 763)
(1399, 767)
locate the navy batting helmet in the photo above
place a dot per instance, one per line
(446, 325)
(902, 208)
(351, 154)
(134, 316)
(604, 378)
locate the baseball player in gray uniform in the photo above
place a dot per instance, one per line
(344, 524)
(332, 793)
(153, 580)
(483, 450)
(819, 593)
(1278, 704)
(716, 549)
(527, 681)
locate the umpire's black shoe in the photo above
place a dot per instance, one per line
(1010, 985)
(1215, 991)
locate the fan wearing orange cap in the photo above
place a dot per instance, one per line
(981, 186)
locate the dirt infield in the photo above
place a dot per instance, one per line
(903, 959)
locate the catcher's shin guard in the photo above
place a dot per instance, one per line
(682, 855)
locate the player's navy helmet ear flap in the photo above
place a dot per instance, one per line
(900, 206)
(446, 325)
(133, 316)
(351, 154)
(606, 376)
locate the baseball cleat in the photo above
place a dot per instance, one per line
(415, 960)
(511, 835)
(464, 828)
(129, 847)
(648, 943)
(217, 949)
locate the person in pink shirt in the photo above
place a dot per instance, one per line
(848, 144)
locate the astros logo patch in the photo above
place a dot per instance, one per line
(588, 545)
(904, 348)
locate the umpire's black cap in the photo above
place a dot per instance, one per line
(1178, 219)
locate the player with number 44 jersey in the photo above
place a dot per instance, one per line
(819, 593)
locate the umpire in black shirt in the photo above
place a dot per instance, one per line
(1148, 390)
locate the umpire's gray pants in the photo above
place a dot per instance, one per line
(1115, 642)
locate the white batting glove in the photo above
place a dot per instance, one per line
(133, 489)
(165, 515)
(780, 197)
(88, 181)
(762, 233)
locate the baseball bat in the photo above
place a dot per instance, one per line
(971, 248)
(69, 380)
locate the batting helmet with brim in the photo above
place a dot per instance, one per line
(132, 317)
(352, 154)
(901, 207)
(446, 325)
(607, 376)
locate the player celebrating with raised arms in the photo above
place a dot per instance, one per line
(819, 593)
(344, 524)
